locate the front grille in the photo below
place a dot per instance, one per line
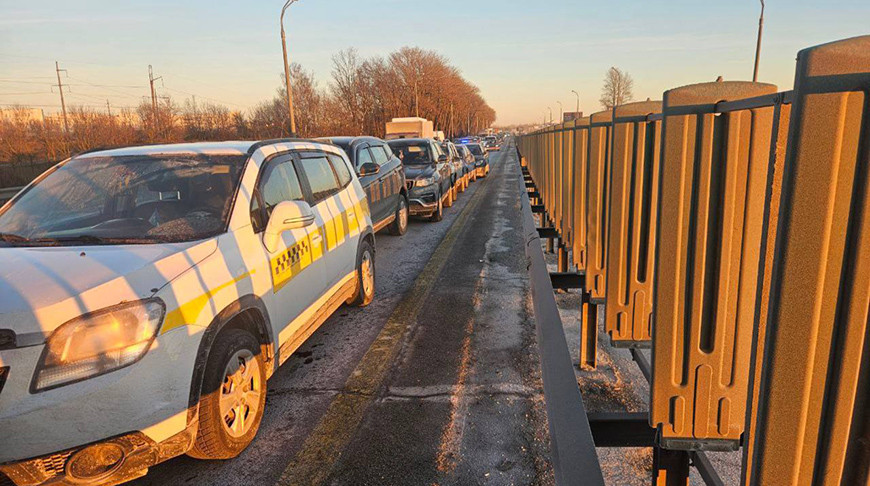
(55, 463)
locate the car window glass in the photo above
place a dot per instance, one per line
(363, 156)
(278, 184)
(341, 170)
(320, 176)
(380, 155)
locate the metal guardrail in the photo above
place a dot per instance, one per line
(573, 448)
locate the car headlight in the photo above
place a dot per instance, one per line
(426, 181)
(98, 342)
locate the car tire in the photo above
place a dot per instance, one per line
(365, 275)
(438, 214)
(233, 396)
(400, 223)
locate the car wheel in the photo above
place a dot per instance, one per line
(365, 275)
(438, 214)
(400, 223)
(233, 396)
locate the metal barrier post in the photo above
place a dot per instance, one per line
(814, 400)
(631, 233)
(713, 186)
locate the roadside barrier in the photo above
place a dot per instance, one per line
(597, 186)
(728, 227)
(578, 204)
(633, 201)
(814, 398)
(713, 182)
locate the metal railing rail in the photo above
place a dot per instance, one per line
(573, 448)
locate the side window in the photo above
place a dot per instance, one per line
(363, 156)
(320, 176)
(341, 170)
(380, 155)
(279, 183)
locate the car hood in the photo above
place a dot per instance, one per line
(418, 172)
(41, 288)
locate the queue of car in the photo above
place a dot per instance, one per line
(147, 294)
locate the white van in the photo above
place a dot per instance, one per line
(148, 293)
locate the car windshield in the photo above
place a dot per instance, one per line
(125, 200)
(412, 153)
(475, 149)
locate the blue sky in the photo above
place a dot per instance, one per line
(523, 55)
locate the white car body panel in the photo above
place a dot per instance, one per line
(42, 288)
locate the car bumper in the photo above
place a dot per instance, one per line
(147, 402)
(423, 201)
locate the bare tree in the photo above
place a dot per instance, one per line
(364, 93)
(617, 89)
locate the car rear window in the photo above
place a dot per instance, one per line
(413, 153)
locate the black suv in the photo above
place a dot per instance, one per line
(381, 175)
(481, 159)
(428, 174)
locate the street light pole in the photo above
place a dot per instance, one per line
(551, 115)
(287, 70)
(758, 43)
(561, 112)
(578, 103)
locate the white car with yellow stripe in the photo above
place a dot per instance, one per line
(147, 294)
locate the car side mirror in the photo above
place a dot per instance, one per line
(286, 216)
(369, 168)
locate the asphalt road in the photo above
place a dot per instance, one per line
(436, 382)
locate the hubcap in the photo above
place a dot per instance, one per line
(240, 393)
(368, 273)
(403, 214)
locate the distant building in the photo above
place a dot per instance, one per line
(571, 115)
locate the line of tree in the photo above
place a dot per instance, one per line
(361, 96)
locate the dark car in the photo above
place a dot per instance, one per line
(460, 181)
(383, 178)
(467, 162)
(428, 176)
(481, 159)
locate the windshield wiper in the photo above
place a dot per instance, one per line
(12, 238)
(86, 239)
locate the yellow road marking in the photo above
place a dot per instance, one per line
(324, 446)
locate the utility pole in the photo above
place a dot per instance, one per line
(578, 103)
(416, 99)
(287, 70)
(758, 43)
(108, 108)
(151, 80)
(551, 115)
(62, 102)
